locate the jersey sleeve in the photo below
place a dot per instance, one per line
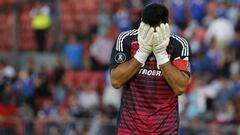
(181, 54)
(120, 51)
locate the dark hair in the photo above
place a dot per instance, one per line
(154, 14)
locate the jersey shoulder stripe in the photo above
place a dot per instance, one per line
(183, 42)
(122, 36)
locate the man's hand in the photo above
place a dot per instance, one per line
(160, 42)
(145, 35)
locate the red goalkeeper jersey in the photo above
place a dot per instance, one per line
(148, 104)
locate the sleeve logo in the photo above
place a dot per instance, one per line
(120, 58)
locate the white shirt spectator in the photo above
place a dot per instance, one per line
(222, 30)
(9, 71)
(88, 99)
(111, 96)
(101, 49)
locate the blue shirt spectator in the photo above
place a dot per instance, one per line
(122, 19)
(178, 12)
(198, 10)
(74, 52)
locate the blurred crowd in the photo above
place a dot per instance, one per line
(88, 29)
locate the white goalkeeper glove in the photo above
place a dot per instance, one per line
(160, 42)
(145, 35)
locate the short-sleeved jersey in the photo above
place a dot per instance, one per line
(148, 104)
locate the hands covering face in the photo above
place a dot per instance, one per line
(153, 41)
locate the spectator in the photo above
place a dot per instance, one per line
(42, 90)
(26, 112)
(66, 121)
(103, 21)
(11, 123)
(7, 73)
(111, 96)
(25, 84)
(88, 99)
(198, 10)
(221, 30)
(41, 22)
(72, 106)
(122, 19)
(59, 93)
(179, 13)
(27, 115)
(215, 53)
(58, 71)
(47, 118)
(101, 50)
(233, 13)
(227, 114)
(74, 53)
(235, 44)
(211, 13)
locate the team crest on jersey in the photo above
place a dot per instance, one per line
(152, 58)
(120, 58)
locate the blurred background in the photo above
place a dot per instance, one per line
(54, 57)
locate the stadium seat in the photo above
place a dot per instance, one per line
(11, 1)
(6, 31)
(76, 79)
(2, 3)
(27, 39)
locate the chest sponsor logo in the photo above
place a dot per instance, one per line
(150, 72)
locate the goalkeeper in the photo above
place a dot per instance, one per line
(152, 65)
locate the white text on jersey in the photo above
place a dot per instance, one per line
(149, 72)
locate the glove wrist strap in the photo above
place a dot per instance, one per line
(161, 58)
(141, 56)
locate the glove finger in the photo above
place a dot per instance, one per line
(150, 38)
(146, 28)
(155, 39)
(149, 35)
(158, 31)
(148, 48)
(167, 30)
(163, 31)
(140, 29)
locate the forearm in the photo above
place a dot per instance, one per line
(124, 72)
(178, 80)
